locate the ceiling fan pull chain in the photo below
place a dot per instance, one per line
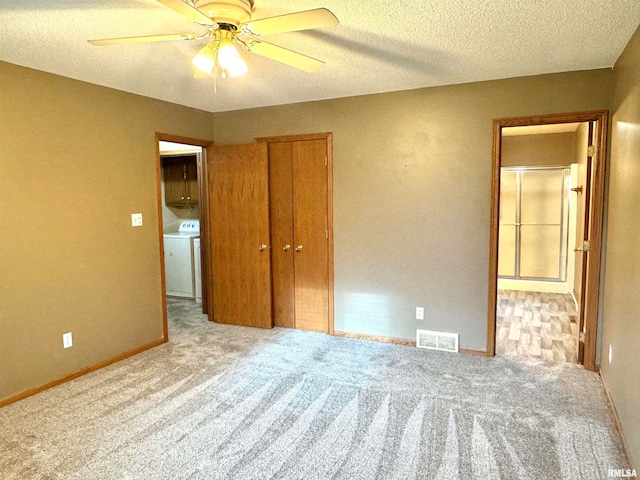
(245, 30)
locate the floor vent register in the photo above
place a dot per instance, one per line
(431, 340)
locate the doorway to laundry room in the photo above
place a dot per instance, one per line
(546, 229)
(181, 205)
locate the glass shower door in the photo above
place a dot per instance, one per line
(533, 239)
(509, 226)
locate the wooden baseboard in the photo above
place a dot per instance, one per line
(616, 418)
(400, 341)
(473, 351)
(105, 363)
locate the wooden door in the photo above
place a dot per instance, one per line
(310, 233)
(299, 232)
(586, 237)
(281, 206)
(238, 195)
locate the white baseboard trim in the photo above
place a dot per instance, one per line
(533, 286)
(575, 300)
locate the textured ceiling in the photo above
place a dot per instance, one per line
(379, 46)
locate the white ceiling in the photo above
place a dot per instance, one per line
(379, 46)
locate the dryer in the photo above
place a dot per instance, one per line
(180, 259)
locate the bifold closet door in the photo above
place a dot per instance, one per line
(310, 235)
(281, 196)
(238, 191)
(299, 229)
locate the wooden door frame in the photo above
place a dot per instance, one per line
(601, 119)
(203, 208)
(328, 136)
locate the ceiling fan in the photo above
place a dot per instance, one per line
(228, 25)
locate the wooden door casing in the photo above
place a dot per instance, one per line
(238, 194)
(600, 119)
(163, 137)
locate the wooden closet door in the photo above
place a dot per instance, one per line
(311, 291)
(281, 207)
(238, 194)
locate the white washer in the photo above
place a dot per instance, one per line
(179, 259)
(197, 275)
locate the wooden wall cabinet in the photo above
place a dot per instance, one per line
(180, 174)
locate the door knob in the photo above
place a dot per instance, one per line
(577, 249)
(286, 248)
(262, 247)
(298, 248)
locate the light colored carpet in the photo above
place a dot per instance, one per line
(224, 402)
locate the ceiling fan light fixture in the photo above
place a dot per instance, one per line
(230, 60)
(205, 60)
(230, 21)
(238, 69)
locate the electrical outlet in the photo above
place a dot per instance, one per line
(610, 353)
(67, 340)
(136, 219)
(419, 313)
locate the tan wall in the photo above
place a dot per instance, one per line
(578, 199)
(621, 316)
(76, 160)
(556, 149)
(412, 186)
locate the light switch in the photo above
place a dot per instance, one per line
(419, 313)
(136, 219)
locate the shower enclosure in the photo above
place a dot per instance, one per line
(534, 223)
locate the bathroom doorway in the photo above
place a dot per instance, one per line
(545, 237)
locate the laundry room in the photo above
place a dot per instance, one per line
(181, 219)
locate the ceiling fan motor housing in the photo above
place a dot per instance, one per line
(233, 12)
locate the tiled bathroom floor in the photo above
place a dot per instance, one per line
(536, 324)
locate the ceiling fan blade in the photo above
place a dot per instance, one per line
(188, 12)
(146, 39)
(284, 55)
(292, 22)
